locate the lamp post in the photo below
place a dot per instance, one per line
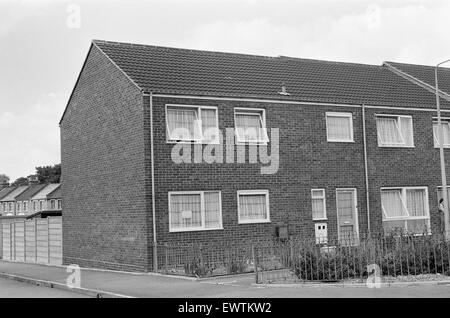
(441, 153)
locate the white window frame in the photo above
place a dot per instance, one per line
(403, 199)
(11, 207)
(41, 205)
(337, 114)
(323, 196)
(58, 204)
(200, 140)
(253, 192)
(18, 209)
(25, 206)
(398, 123)
(202, 208)
(444, 121)
(261, 112)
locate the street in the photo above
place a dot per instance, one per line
(13, 289)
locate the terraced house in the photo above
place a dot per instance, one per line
(353, 150)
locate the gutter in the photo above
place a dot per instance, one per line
(152, 157)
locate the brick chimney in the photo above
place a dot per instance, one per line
(32, 180)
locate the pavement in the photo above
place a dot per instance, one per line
(100, 283)
(14, 289)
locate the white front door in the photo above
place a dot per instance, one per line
(347, 216)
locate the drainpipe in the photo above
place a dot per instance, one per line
(366, 170)
(155, 247)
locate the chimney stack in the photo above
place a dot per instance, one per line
(32, 180)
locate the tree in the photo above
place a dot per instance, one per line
(49, 174)
(4, 178)
(22, 181)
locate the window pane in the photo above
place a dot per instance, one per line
(182, 123)
(406, 130)
(338, 128)
(252, 207)
(249, 127)
(446, 127)
(388, 130)
(209, 124)
(185, 211)
(416, 202)
(212, 210)
(392, 203)
(318, 208)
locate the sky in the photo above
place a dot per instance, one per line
(43, 45)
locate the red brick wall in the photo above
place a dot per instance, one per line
(102, 143)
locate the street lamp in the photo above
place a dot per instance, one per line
(441, 153)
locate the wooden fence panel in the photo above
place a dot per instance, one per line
(6, 229)
(30, 241)
(55, 240)
(42, 241)
(19, 241)
(34, 241)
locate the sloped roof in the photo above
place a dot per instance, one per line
(5, 191)
(426, 74)
(28, 193)
(42, 194)
(183, 71)
(13, 194)
(55, 194)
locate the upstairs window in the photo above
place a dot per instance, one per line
(195, 210)
(25, 206)
(34, 206)
(395, 131)
(318, 204)
(18, 206)
(339, 127)
(59, 205)
(192, 123)
(405, 209)
(446, 126)
(52, 204)
(250, 125)
(41, 205)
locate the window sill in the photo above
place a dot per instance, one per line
(394, 146)
(340, 141)
(197, 142)
(194, 230)
(253, 221)
(324, 219)
(238, 142)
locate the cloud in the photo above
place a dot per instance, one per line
(30, 137)
(407, 31)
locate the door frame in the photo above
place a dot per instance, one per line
(355, 197)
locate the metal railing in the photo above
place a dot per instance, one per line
(302, 259)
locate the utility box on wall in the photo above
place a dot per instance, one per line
(321, 233)
(281, 232)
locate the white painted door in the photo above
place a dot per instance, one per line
(347, 216)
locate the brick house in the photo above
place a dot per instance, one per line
(356, 148)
